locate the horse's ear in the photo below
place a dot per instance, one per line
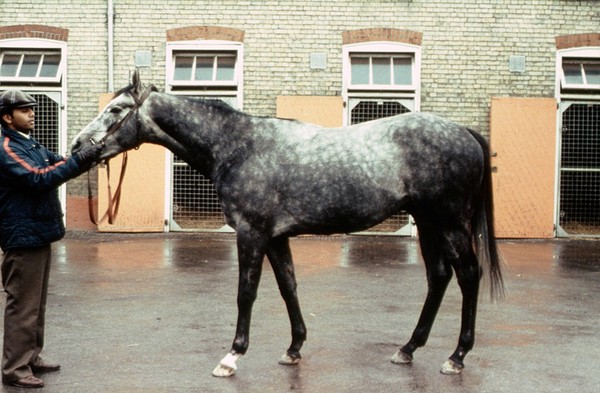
(136, 81)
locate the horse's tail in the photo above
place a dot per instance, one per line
(484, 235)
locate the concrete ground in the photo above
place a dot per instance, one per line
(156, 313)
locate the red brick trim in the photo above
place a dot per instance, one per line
(381, 34)
(205, 33)
(34, 31)
(577, 40)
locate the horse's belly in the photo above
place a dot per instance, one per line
(335, 213)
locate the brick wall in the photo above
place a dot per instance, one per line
(466, 45)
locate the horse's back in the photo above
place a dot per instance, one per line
(422, 150)
(303, 178)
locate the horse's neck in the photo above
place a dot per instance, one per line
(201, 134)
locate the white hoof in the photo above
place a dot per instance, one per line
(287, 360)
(227, 366)
(451, 368)
(401, 358)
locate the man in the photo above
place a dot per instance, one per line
(30, 220)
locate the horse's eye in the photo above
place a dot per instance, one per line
(116, 109)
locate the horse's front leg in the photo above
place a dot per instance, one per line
(280, 257)
(251, 251)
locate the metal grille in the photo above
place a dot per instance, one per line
(47, 122)
(371, 110)
(366, 110)
(580, 170)
(195, 201)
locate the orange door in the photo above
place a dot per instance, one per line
(325, 111)
(523, 141)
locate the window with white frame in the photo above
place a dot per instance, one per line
(381, 71)
(381, 79)
(38, 67)
(205, 68)
(205, 65)
(32, 61)
(578, 175)
(381, 66)
(210, 70)
(579, 69)
(581, 73)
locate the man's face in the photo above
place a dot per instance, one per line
(21, 119)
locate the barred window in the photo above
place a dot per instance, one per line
(209, 70)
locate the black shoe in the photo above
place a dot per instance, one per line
(45, 368)
(29, 382)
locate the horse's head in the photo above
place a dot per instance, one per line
(117, 126)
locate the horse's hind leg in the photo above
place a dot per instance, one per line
(468, 274)
(280, 257)
(439, 274)
(442, 252)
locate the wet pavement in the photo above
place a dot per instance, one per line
(156, 313)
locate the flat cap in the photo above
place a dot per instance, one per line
(11, 99)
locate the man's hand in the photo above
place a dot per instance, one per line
(88, 155)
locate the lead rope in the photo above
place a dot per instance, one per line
(113, 201)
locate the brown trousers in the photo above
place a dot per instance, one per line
(25, 273)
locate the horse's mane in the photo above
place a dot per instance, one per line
(214, 103)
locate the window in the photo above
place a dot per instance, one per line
(381, 79)
(578, 71)
(383, 71)
(205, 67)
(206, 64)
(22, 65)
(578, 176)
(209, 69)
(381, 67)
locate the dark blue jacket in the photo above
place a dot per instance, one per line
(30, 174)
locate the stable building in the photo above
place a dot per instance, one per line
(525, 74)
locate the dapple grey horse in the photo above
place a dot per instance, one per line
(279, 178)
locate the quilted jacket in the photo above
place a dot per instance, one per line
(30, 174)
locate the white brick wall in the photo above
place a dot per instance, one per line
(465, 50)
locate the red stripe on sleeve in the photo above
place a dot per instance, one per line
(25, 164)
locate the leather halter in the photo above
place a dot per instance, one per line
(114, 200)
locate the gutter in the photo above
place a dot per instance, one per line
(110, 14)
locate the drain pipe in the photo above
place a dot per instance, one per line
(110, 15)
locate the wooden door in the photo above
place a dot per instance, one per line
(523, 141)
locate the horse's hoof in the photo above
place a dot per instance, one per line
(451, 368)
(402, 358)
(288, 360)
(227, 366)
(223, 371)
